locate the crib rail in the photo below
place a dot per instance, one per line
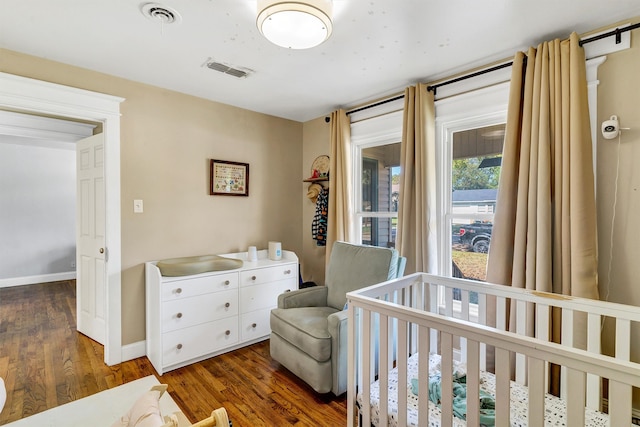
(459, 318)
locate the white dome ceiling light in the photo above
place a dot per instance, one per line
(295, 24)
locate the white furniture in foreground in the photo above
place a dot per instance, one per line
(101, 409)
(192, 318)
(400, 325)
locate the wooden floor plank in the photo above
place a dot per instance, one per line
(45, 363)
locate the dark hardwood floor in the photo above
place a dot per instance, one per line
(45, 363)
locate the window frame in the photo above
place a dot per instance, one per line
(385, 129)
(482, 107)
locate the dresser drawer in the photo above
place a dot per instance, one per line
(263, 296)
(255, 324)
(196, 341)
(268, 274)
(177, 289)
(192, 311)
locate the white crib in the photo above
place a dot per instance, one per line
(396, 327)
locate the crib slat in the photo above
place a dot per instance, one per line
(433, 308)
(542, 332)
(566, 339)
(366, 367)
(619, 404)
(542, 321)
(473, 383)
(620, 394)
(383, 372)
(521, 325)
(446, 375)
(464, 302)
(402, 372)
(623, 341)
(594, 388)
(536, 391)
(482, 319)
(448, 302)
(464, 316)
(503, 391)
(575, 399)
(351, 368)
(423, 376)
(501, 313)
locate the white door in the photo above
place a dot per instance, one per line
(90, 236)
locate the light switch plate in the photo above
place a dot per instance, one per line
(138, 206)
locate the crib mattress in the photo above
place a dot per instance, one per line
(555, 408)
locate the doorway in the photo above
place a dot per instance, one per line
(42, 98)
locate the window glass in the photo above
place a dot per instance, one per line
(475, 172)
(379, 179)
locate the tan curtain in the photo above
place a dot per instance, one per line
(416, 234)
(544, 233)
(340, 215)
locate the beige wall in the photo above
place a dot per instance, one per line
(166, 141)
(315, 143)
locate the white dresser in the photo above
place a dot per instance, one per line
(192, 318)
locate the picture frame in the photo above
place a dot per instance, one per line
(228, 178)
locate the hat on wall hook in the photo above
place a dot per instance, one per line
(313, 191)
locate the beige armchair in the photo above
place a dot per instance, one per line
(309, 327)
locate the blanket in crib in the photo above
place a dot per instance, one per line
(555, 407)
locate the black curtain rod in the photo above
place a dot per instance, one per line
(617, 32)
(468, 76)
(366, 107)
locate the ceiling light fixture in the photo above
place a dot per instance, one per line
(295, 24)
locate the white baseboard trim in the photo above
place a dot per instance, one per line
(133, 351)
(42, 278)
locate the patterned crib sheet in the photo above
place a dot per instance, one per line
(555, 407)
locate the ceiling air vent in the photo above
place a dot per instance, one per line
(238, 72)
(159, 13)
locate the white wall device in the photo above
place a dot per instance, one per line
(610, 128)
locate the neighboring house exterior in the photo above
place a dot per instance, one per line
(474, 201)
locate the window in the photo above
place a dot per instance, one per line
(475, 172)
(377, 205)
(470, 140)
(376, 170)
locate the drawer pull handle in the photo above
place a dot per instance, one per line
(179, 346)
(253, 277)
(287, 272)
(227, 332)
(253, 325)
(226, 282)
(227, 305)
(179, 291)
(179, 315)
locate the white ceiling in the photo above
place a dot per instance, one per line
(377, 48)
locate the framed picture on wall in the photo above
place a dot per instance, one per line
(229, 178)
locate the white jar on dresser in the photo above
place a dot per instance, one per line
(192, 318)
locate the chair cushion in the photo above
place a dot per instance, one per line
(305, 328)
(354, 267)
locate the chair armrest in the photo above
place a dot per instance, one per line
(337, 325)
(308, 297)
